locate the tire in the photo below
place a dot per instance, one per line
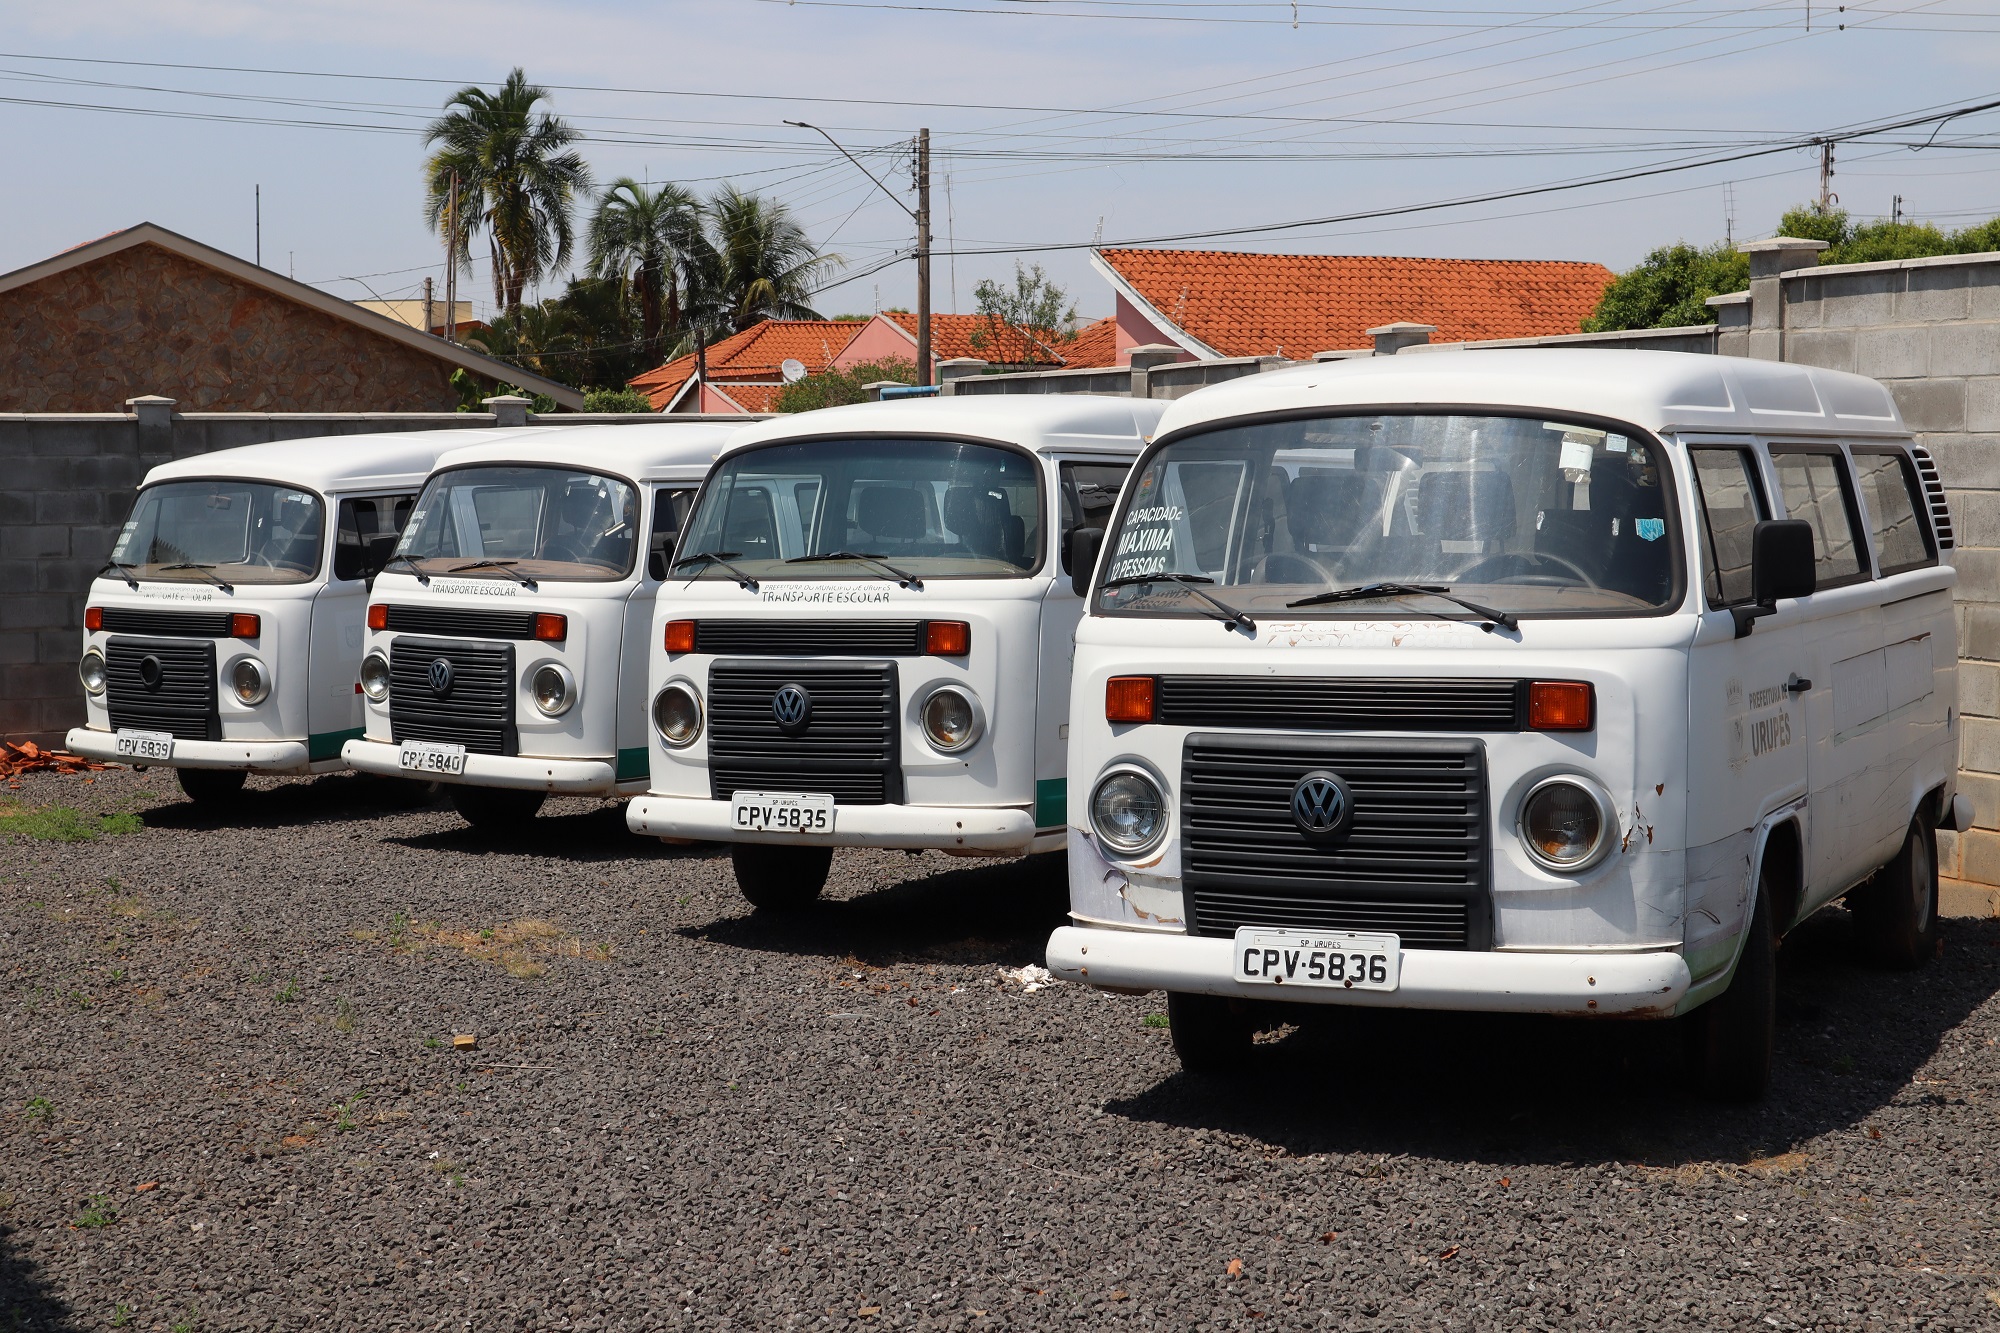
(1896, 912)
(492, 809)
(1730, 1039)
(211, 786)
(774, 877)
(1212, 1035)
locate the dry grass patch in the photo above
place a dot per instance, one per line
(517, 947)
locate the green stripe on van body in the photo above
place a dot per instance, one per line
(1052, 803)
(634, 764)
(326, 744)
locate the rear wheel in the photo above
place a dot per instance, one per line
(1730, 1039)
(1896, 912)
(211, 786)
(777, 878)
(1212, 1034)
(495, 808)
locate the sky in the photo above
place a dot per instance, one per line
(1054, 123)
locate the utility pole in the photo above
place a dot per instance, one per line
(1827, 198)
(430, 322)
(451, 262)
(260, 226)
(923, 174)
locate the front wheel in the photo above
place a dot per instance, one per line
(1212, 1034)
(778, 878)
(1730, 1039)
(210, 786)
(1896, 912)
(492, 809)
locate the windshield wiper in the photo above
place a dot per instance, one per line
(206, 571)
(504, 566)
(722, 558)
(1370, 590)
(902, 577)
(124, 571)
(415, 568)
(1227, 613)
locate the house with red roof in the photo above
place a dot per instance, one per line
(1213, 303)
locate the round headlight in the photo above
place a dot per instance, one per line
(951, 719)
(1566, 824)
(677, 714)
(375, 677)
(1129, 813)
(248, 681)
(553, 689)
(91, 671)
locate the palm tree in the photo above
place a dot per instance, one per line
(516, 178)
(766, 267)
(649, 239)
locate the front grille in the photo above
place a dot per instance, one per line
(477, 713)
(183, 700)
(848, 748)
(471, 621)
(179, 624)
(810, 638)
(1344, 703)
(1415, 861)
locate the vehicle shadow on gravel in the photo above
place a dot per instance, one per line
(1512, 1089)
(981, 913)
(342, 798)
(573, 832)
(26, 1302)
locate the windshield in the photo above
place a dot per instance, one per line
(236, 531)
(534, 522)
(1522, 515)
(934, 508)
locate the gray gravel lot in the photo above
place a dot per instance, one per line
(252, 1116)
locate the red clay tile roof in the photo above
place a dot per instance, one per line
(1295, 305)
(1095, 345)
(955, 336)
(749, 397)
(754, 354)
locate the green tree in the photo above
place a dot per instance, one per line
(836, 388)
(517, 180)
(1023, 320)
(764, 266)
(1670, 288)
(649, 239)
(586, 336)
(615, 400)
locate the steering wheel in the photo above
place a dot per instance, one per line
(1527, 567)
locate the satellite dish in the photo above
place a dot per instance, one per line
(792, 369)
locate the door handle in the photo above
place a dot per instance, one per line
(1797, 684)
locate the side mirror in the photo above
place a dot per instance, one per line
(1782, 564)
(1080, 554)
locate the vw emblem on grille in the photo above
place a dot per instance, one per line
(1322, 806)
(792, 708)
(151, 673)
(440, 676)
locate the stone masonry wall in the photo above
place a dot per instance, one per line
(146, 321)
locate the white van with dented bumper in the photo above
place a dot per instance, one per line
(223, 636)
(1552, 681)
(872, 644)
(506, 653)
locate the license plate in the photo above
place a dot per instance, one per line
(146, 744)
(781, 812)
(430, 757)
(1318, 958)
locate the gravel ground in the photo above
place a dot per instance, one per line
(229, 1099)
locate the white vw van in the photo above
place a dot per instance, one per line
(223, 636)
(506, 653)
(872, 644)
(1553, 681)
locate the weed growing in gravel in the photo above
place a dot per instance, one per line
(1843, 1064)
(96, 1214)
(289, 993)
(187, 1323)
(121, 1316)
(343, 1114)
(344, 1015)
(40, 1108)
(432, 1043)
(60, 823)
(1155, 1020)
(684, 900)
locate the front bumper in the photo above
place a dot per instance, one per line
(1632, 985)
(586, 777)
(255, 756)
(950, 828)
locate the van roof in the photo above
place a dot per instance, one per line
(330, 462)
(663, 451)
(1037, 421)
(1660, 391)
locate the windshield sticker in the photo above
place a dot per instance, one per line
(1147, 541)
(823, 594)
(478, 587)
(1650, 529)
(1576, 456)
(1615, 443)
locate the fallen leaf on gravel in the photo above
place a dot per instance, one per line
(149, 1185)
(297, 1141)
(867, 1310)
(977, 1314)
(1236, 1268)
(1874, 1132)
(28, 757)
(1448, 1254)
(1328, 1237)
(1505, 1181)
(1121, 1296)
(1029, 978)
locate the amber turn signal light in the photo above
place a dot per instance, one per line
(1128, 699)
(680, 636)
(378, 616)
(93, 618)
(244, 625)
(947, 638)
(1561, 705)
(551, 628)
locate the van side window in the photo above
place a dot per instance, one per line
(670, 511)
(1731, 504)
(368, 527)
(1816, 488)
(1889, 484)
(1089, 494)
